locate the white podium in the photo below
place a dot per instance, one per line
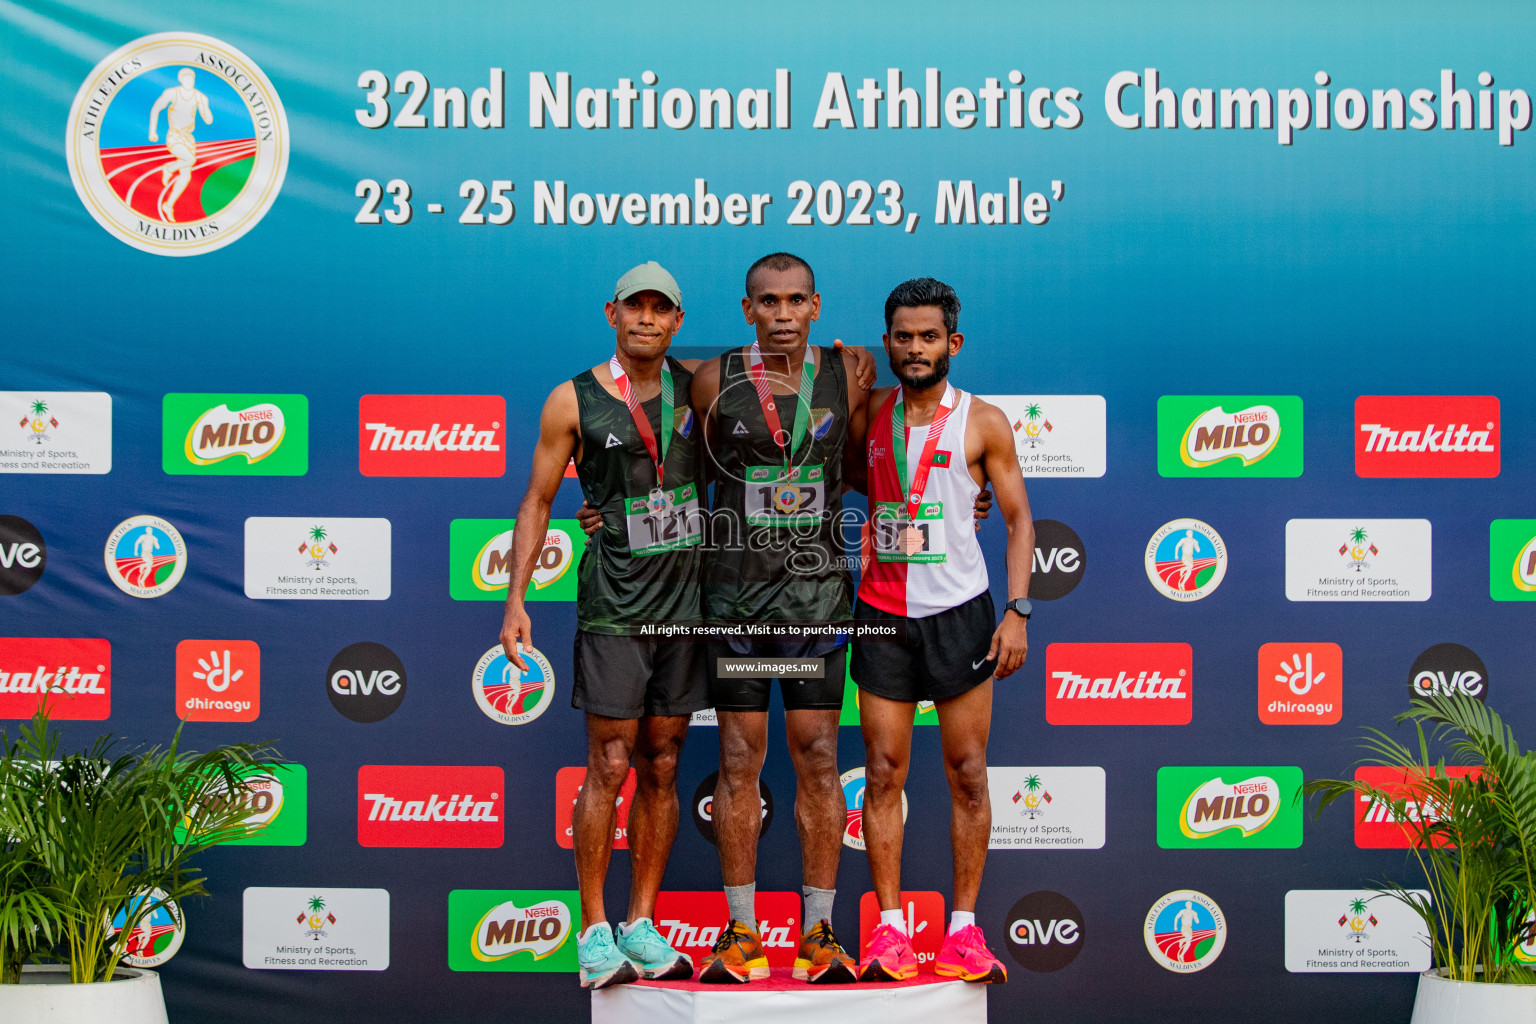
(782, 1000)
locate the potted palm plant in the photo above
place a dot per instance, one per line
(92, 844)
(1471, 825)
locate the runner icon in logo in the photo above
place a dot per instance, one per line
(1185, 931)
(180, 195)
(508, 694)
(145, 556)
(1186, 559)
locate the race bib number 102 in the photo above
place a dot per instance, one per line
(776, 497)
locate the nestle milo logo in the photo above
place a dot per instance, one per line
(255, 435)
(1229, 435)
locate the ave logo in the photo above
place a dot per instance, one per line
(366, 682)
(1045, 931)
(1448, 670)
(1301, 683)
(23, 555)
(1060, 560)
(218, 680)
(431, 435)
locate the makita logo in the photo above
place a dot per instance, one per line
(383, 807)
(73, 675)
(430, 805)
(432, 435)
(1124, 686)
(1454, 437)
(436, 438)
(62, 679)
(691, 922)
(1427, 436)
(1382, 825)
(1118, 684)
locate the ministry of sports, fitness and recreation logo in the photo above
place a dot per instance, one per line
(1185, 931)
(704, 806)
(853, 796)
(1186, 559)
(1045, 931)
(157, 934)
(1354, 931)
(145, 556)
(506, 693)
(1056, 435)
(177, 144)
(23, 555)
(314, 928)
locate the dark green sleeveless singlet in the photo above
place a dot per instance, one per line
(775, 572)
(615, 590)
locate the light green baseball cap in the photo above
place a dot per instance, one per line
(648, 277)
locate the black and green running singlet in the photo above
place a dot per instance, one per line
(644, 564)
(776, 547)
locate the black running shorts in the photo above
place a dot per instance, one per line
(944, 654)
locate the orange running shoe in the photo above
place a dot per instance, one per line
(737, 957)
(965, 955)
(889, 956)
(821, 960)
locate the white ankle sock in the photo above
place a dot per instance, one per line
(628, 926)
(895, 918)
(600, 924)
(960, 919)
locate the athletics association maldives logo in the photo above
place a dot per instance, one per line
(853, 795)
(1185, 931)
(177, 144)
(508, 694)
(157, 934)
(1186, 559)
(145, 556)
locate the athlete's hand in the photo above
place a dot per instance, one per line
(1010, 643)
(983, 506)
(863, 365)
(154, 136)
(591, 519)
(516, 628)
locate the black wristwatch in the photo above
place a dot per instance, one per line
(1020, 605)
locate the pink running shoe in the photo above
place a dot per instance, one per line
(965, 955)
(889, 956)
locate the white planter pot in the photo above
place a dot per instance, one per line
(1472, 1002)
(45, 996)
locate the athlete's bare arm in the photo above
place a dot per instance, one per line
(704, 396)
(855, 454)
(559, 441)
(154, 113)
(996, 462)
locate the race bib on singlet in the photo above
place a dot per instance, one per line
(663, 520)
(778, 498)
(900, 538)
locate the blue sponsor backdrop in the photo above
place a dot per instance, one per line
(1176, 262)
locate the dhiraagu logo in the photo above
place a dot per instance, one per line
(1229, 807)
(1229, 435)
(480, 560)
(234, 435)
(512, 929)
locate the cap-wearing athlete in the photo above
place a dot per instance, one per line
(931, 448)
(630, 426)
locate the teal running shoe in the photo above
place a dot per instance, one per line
(601, 962)
(652, 957)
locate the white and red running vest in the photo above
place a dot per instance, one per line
(916, 589)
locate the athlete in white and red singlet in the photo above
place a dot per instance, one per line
(931, 448)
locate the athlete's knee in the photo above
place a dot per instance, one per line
(967, 774)
(657, 769)
(815, 753)
(607, 766)
(741, 759)
(885, 772)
